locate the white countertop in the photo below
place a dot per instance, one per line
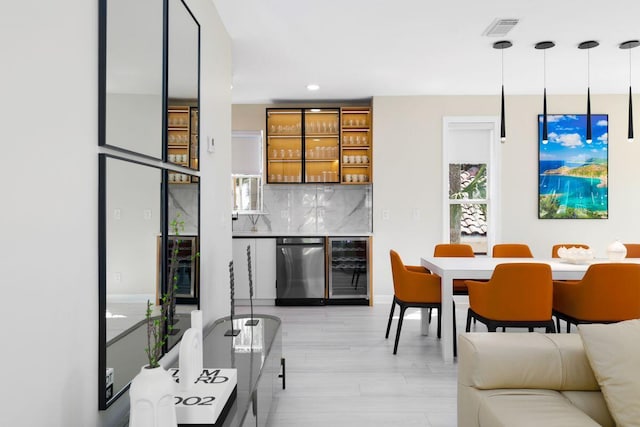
(275, 234)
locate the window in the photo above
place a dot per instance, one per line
(470, 208)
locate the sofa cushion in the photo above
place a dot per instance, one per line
(613, 351)
(524, 360)
(529, 408)
(591, 403)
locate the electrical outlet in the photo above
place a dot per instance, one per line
(416, 214)
(117, 277)
(116, 214)
(385, 214)
(211, 144)
(147, 214)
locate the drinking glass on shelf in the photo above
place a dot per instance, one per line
(279, 178)
(282, 153)
(274, 154)
(272, 177)
(345, 159)
(290, 153)
(297, 153)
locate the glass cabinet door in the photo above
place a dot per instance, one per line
(349, 267)
(284, 146)
(322, 144)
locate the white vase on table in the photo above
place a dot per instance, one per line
(151, 396)
(616, 251)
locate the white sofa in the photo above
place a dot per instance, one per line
(527, 379)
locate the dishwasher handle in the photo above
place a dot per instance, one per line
(300, 241)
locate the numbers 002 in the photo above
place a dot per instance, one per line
(194, 400)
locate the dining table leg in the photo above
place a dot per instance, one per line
(447, 339)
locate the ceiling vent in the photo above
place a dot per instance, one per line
(500, 27)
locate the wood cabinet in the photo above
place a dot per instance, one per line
(357, 142)
(319, 145)
(303, 145)
(182, 140)
(263, 266)
(284, 145)
(187, 268)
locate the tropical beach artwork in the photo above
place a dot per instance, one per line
(572, 180)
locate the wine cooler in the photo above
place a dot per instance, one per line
(349, 270)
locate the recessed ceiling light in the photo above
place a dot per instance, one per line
(313, 86)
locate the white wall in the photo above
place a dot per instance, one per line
(407, 175)
(49, 165)
(215, 189)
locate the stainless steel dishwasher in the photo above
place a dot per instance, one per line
(300, 271)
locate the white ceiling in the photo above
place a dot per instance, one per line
(361, 48)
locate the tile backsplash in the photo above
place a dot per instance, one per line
(309, 208)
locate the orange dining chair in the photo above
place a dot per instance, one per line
(517, 295)
(633, 250)
(455, 250)
(511, 250)
(413, 286)
(607, 293)
(554, 249)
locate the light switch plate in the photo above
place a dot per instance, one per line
(385, 214)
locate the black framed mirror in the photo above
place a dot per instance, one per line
(131, 76)
(146, 101)
(131, 209)
(135, 213)
(183, 86)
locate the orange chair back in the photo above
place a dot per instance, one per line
(610, 292)
(516, 291)
(554, 249)
(413, 286)
(511, 250)
(452, 250)
(633, 250)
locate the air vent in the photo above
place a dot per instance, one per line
(500, 27)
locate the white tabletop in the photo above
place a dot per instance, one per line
(450, 269)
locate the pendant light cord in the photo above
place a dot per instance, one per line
(544, 69)
(502, 66)
(629, 67)
(589, 67)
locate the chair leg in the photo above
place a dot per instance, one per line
(395, 346)
(429, 315)
(469, 315)
(439, 322)
(531, 329)
(393, 306)
(558, 323)
(568, 327)
(551, 327)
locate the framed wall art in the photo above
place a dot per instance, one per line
(572, 172)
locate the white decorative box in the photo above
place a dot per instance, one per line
(208, 400)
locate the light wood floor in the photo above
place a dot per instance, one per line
(341, 370)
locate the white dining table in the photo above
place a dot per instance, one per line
(482, 268)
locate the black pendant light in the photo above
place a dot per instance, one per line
(588, 45)
(545, 131)
(503, 44)
(630, 45)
